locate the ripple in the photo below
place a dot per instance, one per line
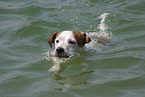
(112, 70)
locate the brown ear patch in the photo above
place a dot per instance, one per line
(52, 38)
(85, 37)
(81, 38)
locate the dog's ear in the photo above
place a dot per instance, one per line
(51, 39)
(85, 37)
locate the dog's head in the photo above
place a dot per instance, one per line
(67, 42)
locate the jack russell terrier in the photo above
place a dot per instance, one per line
(67, 42)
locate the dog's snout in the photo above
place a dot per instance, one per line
(60, 50)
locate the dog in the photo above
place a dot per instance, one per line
(68, 42)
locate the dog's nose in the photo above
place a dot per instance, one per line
(60, 50)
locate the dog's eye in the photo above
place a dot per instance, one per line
(57, 41)
(72, 42)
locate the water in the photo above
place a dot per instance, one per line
(114, 70)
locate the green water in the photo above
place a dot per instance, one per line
(118, 70)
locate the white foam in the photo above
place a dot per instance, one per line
(103, 17)
(102, 28)
(103, 32)
(57, 61)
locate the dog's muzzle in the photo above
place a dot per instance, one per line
(60, 52)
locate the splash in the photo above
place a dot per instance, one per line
(56, 67)
(50, 56)
(57, 61)
(103, 29)
(103, 33)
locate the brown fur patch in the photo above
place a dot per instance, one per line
(81, 38)
(52, 38)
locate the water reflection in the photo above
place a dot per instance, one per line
(73, 80)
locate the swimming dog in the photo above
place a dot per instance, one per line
(68, 42)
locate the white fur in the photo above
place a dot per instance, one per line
(64, 39)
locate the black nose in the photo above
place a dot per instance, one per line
(59, 50)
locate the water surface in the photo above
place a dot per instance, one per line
(116, 70)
